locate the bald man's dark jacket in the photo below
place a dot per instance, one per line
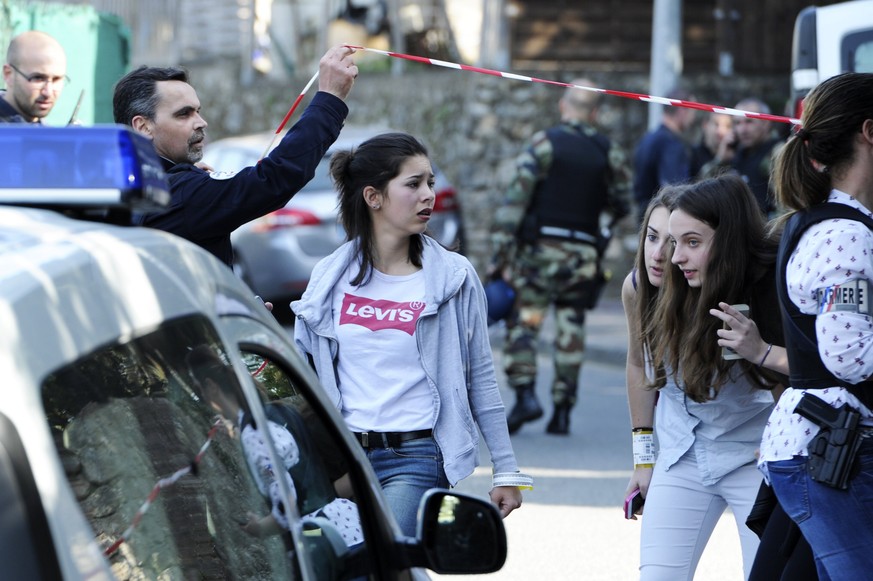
(8, 114)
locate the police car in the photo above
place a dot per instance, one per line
(155, 421)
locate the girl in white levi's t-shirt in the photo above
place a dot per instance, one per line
(383, 383)
(395, 326)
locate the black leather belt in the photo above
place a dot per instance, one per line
(389, 439)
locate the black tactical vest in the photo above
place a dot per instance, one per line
(574, 193)
(806, 370)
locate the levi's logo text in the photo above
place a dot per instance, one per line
(376, 315)
(851, 296)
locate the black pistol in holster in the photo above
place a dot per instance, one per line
(832, 451)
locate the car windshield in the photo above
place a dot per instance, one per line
(153, 437)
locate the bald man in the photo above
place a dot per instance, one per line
(35, 73)
(547, 235)
(749, 151)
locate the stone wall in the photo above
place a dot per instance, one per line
(474, 124)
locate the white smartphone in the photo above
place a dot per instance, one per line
(727, 352)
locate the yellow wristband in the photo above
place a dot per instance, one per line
(644, 448)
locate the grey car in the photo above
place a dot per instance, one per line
(275, 254)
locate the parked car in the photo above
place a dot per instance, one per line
(148, 396)
(829, 40)
(275, 254)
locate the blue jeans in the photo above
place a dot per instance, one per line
(406, 473)
(838, 524)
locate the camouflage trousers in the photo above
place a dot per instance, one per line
(549, 273)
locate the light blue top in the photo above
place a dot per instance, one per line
(724, 432)
(455, 351)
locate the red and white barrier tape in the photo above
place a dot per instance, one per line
(260, 368)
(625, 94)
(289, 113)
(162, 483)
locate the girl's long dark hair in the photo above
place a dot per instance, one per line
(374, 163)
(741, 258)
(647, 293)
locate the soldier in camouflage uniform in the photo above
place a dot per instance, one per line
(547, 240)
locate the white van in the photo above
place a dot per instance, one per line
(829, 40)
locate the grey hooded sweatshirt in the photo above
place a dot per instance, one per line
(455, 352)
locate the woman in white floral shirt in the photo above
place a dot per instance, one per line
(823, 278)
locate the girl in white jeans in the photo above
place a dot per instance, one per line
(710, 411)
(687, 495)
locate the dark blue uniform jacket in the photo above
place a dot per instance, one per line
(205, 210)
(8, 114)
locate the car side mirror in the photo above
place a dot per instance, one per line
(460, 533)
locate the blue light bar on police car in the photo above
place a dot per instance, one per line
(104, 166)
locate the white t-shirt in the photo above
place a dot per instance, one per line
(383, 385)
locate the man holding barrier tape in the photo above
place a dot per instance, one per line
(206, 207)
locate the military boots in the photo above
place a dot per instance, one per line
(560, 422)
(527, 408)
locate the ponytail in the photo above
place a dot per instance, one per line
(797, 182)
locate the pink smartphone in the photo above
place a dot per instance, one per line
(633, 503)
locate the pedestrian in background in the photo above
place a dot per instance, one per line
(710, 410)
(663, 156)
(395, 327)
(547, 240)
(206, 207)
(714, 129)
(824, 177)
(35, 73)
(748, 151)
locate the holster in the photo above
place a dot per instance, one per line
(833, 450)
